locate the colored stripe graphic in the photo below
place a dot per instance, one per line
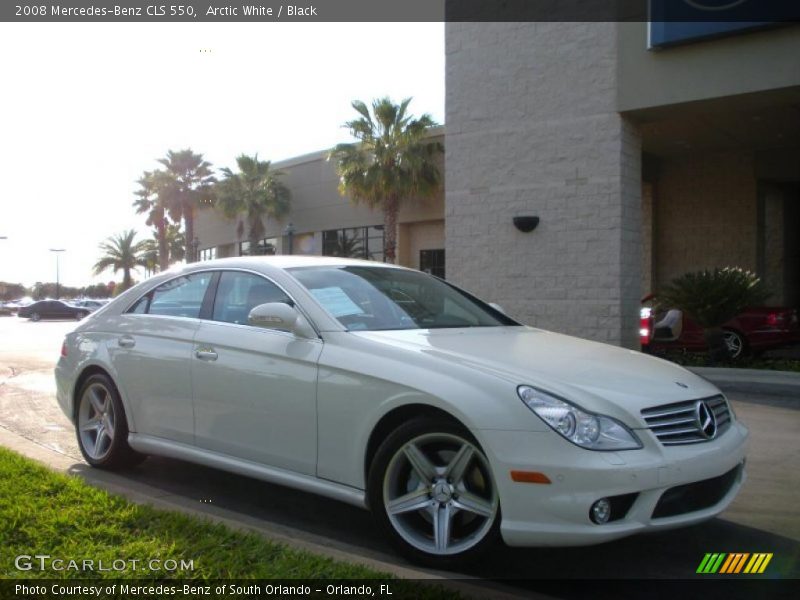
(734, 563)
(711, 563)
(758, 563)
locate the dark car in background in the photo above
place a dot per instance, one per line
(89, 304)
(754, 330)
(52, 309)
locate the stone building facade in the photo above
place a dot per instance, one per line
(641, 163)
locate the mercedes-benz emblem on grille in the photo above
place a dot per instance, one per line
(706, 421)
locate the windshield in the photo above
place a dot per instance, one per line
(379, 298)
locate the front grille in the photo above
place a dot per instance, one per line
(695, 496)
(678, 423)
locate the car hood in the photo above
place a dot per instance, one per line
(596, 374)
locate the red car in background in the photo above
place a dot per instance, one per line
(754, 330)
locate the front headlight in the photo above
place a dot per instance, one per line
(587, 430)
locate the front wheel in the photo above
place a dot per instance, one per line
(101, 425)
(431, 490)
(35, 316)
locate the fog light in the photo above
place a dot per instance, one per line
(601, 511)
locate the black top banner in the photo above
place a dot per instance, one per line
(756, 11)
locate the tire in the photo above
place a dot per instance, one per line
(80, 315)
(101, 426)
(443, 509)
(36, 317)
(736, 344)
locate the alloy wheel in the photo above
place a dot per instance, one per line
(96, 421)
(734, 343)
(439, 495)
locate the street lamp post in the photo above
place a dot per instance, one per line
(289, 231)
(58, 275)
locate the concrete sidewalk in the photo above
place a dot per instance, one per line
(754, 381)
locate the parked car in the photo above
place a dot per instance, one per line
(52, 309)
(754, 330)
(6, 310)
(89, 304)
(12, 306)
(391, 389)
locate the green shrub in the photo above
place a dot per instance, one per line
(710, 298)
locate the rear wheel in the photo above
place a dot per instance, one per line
(101, 425)
(735, 342)
(431, 490)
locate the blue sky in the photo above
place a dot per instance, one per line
(87, 107)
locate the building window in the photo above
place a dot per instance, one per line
(432, 261)
(265, 247)
(208, 254)
(354, 242)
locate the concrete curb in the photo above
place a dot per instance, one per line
(754, 381)
(295, 538)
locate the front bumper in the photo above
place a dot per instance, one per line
(557, 514)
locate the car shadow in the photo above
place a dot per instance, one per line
(673, 554)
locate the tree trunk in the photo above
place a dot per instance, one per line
(163, 249)
(390, 209)
(126, 279)
(717, 348)
(255, 232)
(253, 240)
(188, 223)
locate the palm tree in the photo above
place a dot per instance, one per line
(121, 252)
(186, 185)
(150, 201)
(255, 191)
(176, 242)
(150, 255)
(391, 162)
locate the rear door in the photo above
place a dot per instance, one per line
(153, 354)
(254, 388)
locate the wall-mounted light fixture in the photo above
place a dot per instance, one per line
(526, 224)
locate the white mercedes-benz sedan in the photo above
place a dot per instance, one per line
(391, 389)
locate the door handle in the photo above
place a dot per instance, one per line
(205, 354)
(126, 341)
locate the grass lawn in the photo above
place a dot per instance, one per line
(43, 512)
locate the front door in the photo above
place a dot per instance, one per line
(254, 388)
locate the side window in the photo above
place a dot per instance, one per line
(179, 297)
(238, 293)
(141, 305)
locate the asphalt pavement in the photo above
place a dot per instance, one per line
(764, 517)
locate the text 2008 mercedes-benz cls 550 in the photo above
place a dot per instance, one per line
(391, 389)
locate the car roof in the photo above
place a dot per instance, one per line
(279, 262)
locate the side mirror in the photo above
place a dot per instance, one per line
(497, 307)
(280, 316)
